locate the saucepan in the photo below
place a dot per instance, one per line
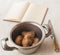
(42, 32)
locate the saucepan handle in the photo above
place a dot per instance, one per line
(47, 30)
(5, 46)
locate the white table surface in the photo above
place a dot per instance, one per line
(53, 14)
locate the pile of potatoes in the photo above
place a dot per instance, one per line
(27, 39)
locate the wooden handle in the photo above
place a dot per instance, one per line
(56, 46)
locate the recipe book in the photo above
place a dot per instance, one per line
(26, 11)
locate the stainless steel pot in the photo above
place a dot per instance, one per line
(42, 32)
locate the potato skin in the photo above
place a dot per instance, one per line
(26, 42)
(36, 40)
(29, 34)
(28, 38)
(18, 40)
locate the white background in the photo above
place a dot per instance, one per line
(53, 14)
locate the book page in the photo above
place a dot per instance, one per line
(35, 13)
(17, 11)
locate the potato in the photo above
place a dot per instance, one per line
(18, 40)
(24, 33)
(36, 40)
(28, 38)
(26, 42)
(29, 34)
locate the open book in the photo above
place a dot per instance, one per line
(25, 11)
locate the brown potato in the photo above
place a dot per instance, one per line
(36, 40)
(18, 40)
(26, 42)
(29, 34)
(24, 33)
